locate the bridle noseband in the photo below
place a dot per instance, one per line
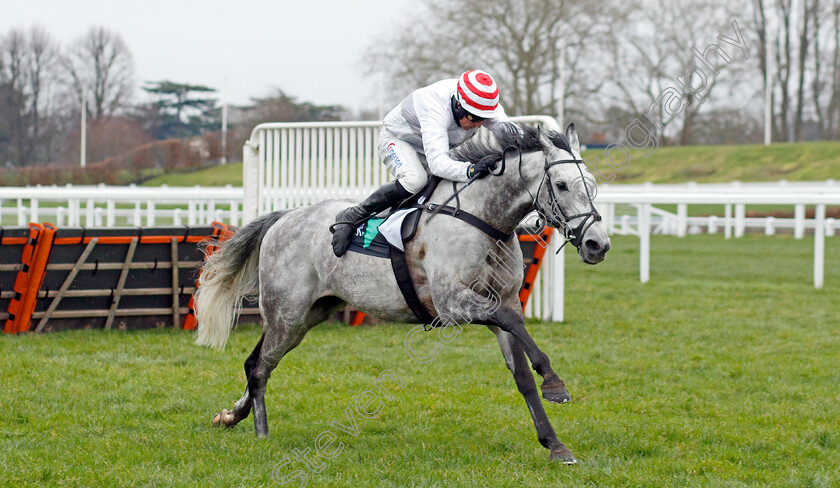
(550, 213)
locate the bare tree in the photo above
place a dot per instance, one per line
(806, 39)
(101, 62)
(666, 61)
(834, 90)
(825, 84)
(28, 62)
(524, 43)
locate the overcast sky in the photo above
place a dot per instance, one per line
(311, 49)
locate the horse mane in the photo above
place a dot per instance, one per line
(524, 137)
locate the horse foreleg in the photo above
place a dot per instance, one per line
(507, 319)
(518, 365)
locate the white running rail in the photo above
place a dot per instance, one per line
(111, 206)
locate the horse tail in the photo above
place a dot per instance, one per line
(229, 275)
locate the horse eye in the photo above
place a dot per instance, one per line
(562, 186)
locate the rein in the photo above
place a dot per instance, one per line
(468, 183)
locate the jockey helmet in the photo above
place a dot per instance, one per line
(478, 94)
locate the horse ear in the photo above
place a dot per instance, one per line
(574, 143)
(543, 138)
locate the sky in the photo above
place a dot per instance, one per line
(311, 49)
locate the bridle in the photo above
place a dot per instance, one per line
(549, 214)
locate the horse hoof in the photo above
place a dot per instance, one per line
(563, 455)
(223, 419)
(555, 392)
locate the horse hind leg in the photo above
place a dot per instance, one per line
(242, 408)
(280, 338)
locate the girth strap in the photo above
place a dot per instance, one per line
(468, 218)
(406, 284)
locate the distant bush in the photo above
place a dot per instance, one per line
(139, 164)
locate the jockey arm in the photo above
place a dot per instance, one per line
(435, 118)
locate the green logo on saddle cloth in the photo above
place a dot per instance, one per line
(371, 231)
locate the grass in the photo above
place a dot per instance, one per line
(801, 161)
(228, 174)
(721, 371)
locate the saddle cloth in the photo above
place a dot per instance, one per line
(373, 236)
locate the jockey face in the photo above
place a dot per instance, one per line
(470, 121)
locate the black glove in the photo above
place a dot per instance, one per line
(483, 167)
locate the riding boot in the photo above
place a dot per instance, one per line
(348, 219)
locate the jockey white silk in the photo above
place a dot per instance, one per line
(424, 120)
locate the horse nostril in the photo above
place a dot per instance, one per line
(593, 245)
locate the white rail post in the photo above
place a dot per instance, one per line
(625, 225)
(90, 213)
(740, 220)
(727, 221)
(250, 181)
(799, 221)
(769, 226)
(644, 242)
(234, 213)
(73, 212)
(682, 219)
(829, 227)
(558, 278)
(713, 224)
(33, 210)
(97, 216)
(21, 215)
(111, 213)
(819, 246)
(150, 213)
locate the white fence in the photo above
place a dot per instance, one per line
(111, 206)
(816, 194)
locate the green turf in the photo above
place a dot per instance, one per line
(228, 174)
(801, 161)
(721, 371)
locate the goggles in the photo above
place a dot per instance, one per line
(474, 118)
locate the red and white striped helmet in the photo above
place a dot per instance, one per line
(478, 93)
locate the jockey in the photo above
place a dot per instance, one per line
(425, 126)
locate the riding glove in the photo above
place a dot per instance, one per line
(483, 167)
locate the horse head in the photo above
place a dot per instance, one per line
(551, 178)
(565, 190)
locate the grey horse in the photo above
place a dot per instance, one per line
(286, 260)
